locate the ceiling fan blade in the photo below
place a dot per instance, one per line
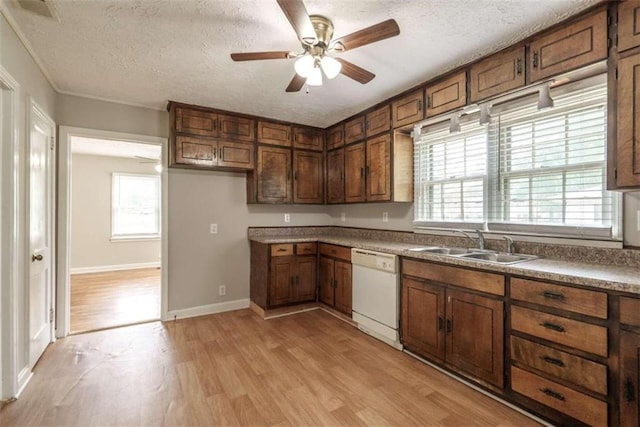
(372, 34)
(354, 72)
(296, 83)
(298, 17)
(256, 56)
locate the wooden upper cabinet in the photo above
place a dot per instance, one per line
(378, 121)
(273, 175)
(309, 139)
(497, 74)
(207, 152)
(354, 130)
(628, 25)
(308, 179)
(335, 176)
(447, 94)
(624, 159)
(233, 127)
(408, 109)
(354, 180)
(274, 133)
(570, 47)
(378, 170)
(237, 155)
(196, 122)
(335, 137)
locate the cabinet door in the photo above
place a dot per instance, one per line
(628, 25)
(274, 133)
(237, 155)
(568, 48)
(195, 151)
(378, 169)
(497, 74)
(423, 312)
(305, 281)
(354, 181)
(475, 339)
(626, 161)
(274, 175)
(408, 109)
(309, 139)
(629, 379)
(354, 130)
(307, 177)
(196, 122)
(239, 128)
(335, 137)
(335, 176)
(379, 121)
(325, 292)
(447, 95)
(343, 286)
(281, 280)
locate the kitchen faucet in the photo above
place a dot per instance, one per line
(480, 241)
(509, 244)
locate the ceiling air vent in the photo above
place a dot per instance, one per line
(44, 8)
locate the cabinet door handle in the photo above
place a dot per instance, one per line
(215, 153)
(288, 175)
(35, 257)
(362, 172)
(519, 66)
(335, 283)
(366, 170)
(428, 101)
(629, 391)
(282, 250)
(553, 327)
(552, 393)
(440, 323)
(553, 361)
(552, 295)
(535, 60)
(449, 325)
(419, 105)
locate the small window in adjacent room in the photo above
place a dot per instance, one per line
(135, 206)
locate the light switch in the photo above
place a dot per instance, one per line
(213, 229)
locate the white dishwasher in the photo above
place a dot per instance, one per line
(376, 295)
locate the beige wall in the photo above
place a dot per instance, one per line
(91, 245)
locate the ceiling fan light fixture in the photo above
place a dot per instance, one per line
(304, 65)
(330, 66)
(315, 77)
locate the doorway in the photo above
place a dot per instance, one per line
(112, 230)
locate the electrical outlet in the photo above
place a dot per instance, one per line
(385, 216)
(213, 229)
(222, 290)
(343, 217)
(287, 217)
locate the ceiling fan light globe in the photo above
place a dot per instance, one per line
(330, 66)
(315, 77)
(304, 65)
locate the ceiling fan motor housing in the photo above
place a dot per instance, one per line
(323, 28)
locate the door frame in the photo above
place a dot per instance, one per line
(63, 296)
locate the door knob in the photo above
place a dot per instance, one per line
(35, 257)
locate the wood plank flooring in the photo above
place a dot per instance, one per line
(104, 300)
(236, 369)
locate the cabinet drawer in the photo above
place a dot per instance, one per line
(306, 248)
(581, 301)
(572, 333)
(630, 311)
(575, 404)
(575, 369)
(335, 251)
(283, 249)
(471, 279)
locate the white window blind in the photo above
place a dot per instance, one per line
(135, 206)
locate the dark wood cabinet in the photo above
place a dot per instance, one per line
(497, 74)
(628, 25)
(281, 284)
(447, 95)
(572, 46)
(305, 280)
(196, 122)
(237, 155)
(274, 133)
(326, 283)
(378, 121)
(354, 130)
(335, 287)
(423, 311)
(233, 127)
(335, 136)
(308, 139)
(308, 177)
(354, 173)
(335, 176)
(408, 109)
(378, 169)
(629, 379)
(200, 151)
(273, 175)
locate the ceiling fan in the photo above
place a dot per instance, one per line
(315, 33)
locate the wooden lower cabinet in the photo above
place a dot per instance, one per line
(629, 390)
(423, 311)
(335, 288)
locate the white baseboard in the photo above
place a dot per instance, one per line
(105, 268)
(24, 377)
(202, 310)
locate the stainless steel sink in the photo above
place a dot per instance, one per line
(498, 258)
(441, 250)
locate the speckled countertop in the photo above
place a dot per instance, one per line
(610, 277)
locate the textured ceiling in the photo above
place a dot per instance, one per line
(146, 52)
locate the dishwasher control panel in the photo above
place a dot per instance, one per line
(377, 260)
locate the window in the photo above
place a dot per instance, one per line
(533, 171)
(135, 206)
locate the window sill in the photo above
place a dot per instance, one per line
(120, 239)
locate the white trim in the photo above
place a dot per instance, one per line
(117, 267)
(114, 101)
(64, 215)
(203, 310)
(133, 239)
(23, 379)
(9, 243)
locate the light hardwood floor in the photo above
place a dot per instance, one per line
(104, 300)
(235, 369)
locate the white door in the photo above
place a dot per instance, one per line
(40, 235)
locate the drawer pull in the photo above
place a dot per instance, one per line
(552, 393)
(553, 295)
(553, 361)
(282, 250)
(553, 326)
(629, 391)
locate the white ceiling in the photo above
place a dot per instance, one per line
(146, 52)
(114, 148)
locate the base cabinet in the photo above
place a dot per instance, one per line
(335, 287)
(629, 379)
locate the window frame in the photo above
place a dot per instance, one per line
(115, 176)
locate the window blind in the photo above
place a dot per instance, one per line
(135, 205)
